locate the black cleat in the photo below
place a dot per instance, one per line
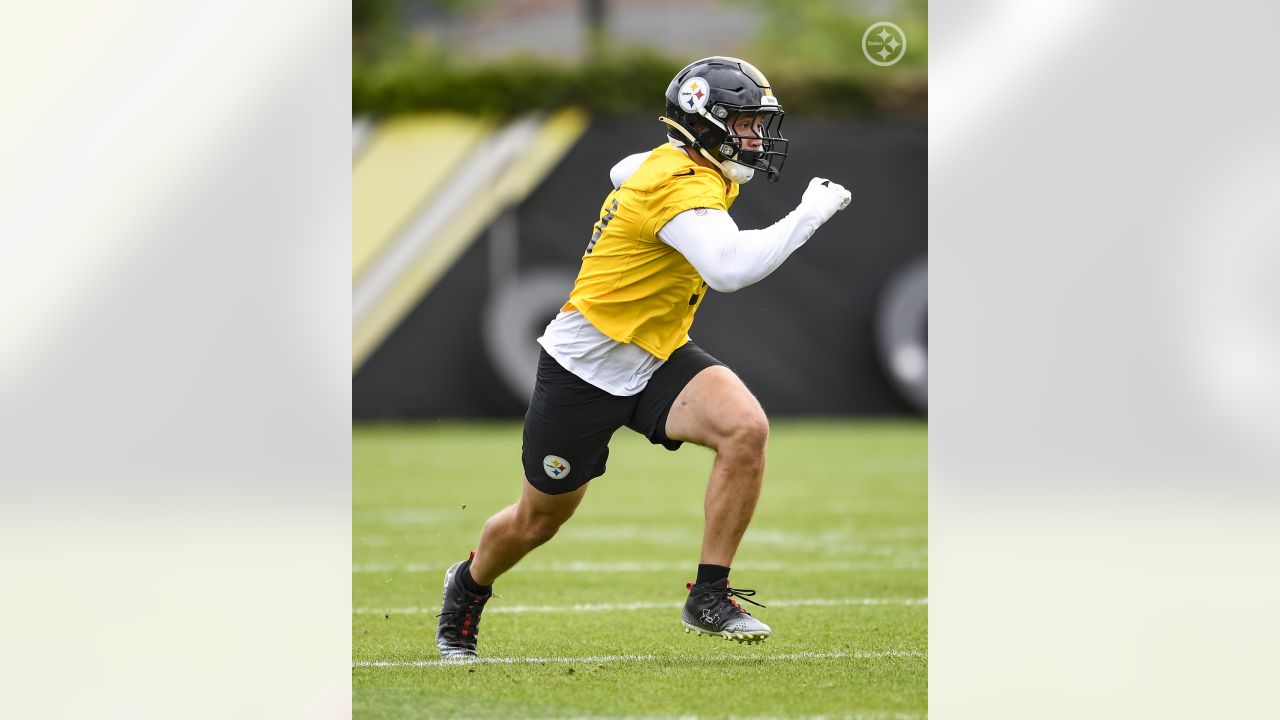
(711, 609)
(459, 616)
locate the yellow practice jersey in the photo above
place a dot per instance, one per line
(632, 286)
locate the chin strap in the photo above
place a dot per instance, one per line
(736, 172)
(681, 129)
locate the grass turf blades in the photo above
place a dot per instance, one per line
(589, 624)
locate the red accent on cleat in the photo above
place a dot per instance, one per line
(688, 586)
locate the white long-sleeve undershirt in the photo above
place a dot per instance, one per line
(727, 258)
(730, 259)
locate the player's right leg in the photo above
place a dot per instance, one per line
(716, 410)
(694, 398)
(566, 444)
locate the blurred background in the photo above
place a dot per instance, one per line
(483, 133)
(175, 275)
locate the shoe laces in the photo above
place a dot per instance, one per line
(729, 593)
(472, 603)
(468, 612)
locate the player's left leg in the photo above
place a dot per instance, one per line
(516, 530)
(564, 446)
(507, 537)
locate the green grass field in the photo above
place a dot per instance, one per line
(838, 550)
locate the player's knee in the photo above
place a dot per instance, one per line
(750, 433)
(541, 527)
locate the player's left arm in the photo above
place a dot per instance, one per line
(730, 259)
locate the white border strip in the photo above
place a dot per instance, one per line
(610, 607)
(859, 655)
(361, 133)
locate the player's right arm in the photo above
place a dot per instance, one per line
(730, 259)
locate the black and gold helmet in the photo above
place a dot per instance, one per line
(709, 101)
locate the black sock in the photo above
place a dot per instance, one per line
(708, 573)
(469, 583)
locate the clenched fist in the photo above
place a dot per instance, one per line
(826, 197)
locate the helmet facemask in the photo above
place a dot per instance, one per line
(753, 138)
(738, 139)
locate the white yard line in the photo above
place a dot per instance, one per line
(609, 607)
(369, 518)
(830, 544)
(856, 716)
(599, 659)
(873, 715)
(610, 567)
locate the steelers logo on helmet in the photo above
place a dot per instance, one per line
(694, 94)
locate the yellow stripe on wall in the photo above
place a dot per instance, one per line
(557, 136)
(554, 138)
(405, 163)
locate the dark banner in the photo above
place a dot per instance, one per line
(839, 329)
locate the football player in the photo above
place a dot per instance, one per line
(619, 354)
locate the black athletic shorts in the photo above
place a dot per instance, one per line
(570, 421)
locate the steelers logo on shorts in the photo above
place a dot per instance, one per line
(555, 466)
